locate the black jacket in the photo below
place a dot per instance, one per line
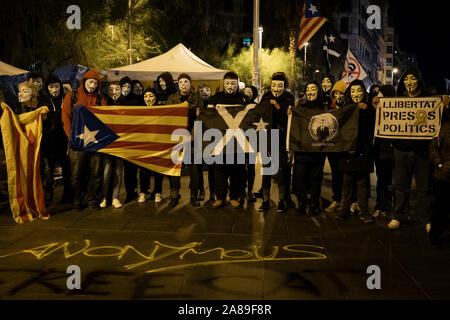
(361, 161)
(279, 116)
(420, 147)
(316, 157)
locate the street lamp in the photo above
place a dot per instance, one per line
(306, 46)
(112, 31)
(395, 70)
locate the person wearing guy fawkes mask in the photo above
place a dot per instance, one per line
(309, 165)
(337, 101)
(112, 166)
(37, 80)
(165, 87)
(235, 172)
(357, 165)
(204, 91)
(280, 101)
(54, 141)
(195, 102)
(130, 169)
(88, 94)
(411, 157)
(326, 85)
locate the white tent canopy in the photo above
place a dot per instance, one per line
(177, 60)
(9, 70)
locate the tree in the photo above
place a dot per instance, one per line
(272, 60)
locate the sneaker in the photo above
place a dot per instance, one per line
(103, 204)
(265, 206)
(194, 202)
(251, 197)
(378, 213)
(354, 208)
(332, 207)
(158, 198)
(235, 204)
(367, 218)
(94, 206)
(141, 197)
(394, 224)
(281, 207)
(428, 227)
(116, 203)
(218, 204)
(201, 196)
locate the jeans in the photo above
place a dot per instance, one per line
(236, 174)
(407, 164)
(130, 177)
(47, 167)
(362, 182)
(309, 179)
(112, 168)
(85, 168)
(279, 177)
(144, 180)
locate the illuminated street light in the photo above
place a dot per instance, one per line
(112, 31)
(395, 70)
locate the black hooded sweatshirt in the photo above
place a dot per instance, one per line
(163, 95)
(318, 104)
(420, 147)
(53, 136)
(366, 123)
(279, 116)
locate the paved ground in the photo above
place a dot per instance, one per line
(148, 251)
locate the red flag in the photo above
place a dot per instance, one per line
(22, 138)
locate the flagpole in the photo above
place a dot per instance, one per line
(305, 73)
(256, 76)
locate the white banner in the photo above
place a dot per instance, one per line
(408, 118)
(352, 69)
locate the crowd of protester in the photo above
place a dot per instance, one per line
(98, 176)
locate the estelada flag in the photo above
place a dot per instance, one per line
(310, 22)
(21, 139)
(143, 135)
(318, 131)
(352, 69)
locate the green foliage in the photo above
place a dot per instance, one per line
(271, 61)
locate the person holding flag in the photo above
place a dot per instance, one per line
(88, 94)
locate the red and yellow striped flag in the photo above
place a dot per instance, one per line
(310, 23)
(21, 139)
(142, 135)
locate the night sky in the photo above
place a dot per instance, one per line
(423, 29)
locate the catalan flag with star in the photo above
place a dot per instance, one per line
(146, 136)
(21, 139)
(310, 23)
